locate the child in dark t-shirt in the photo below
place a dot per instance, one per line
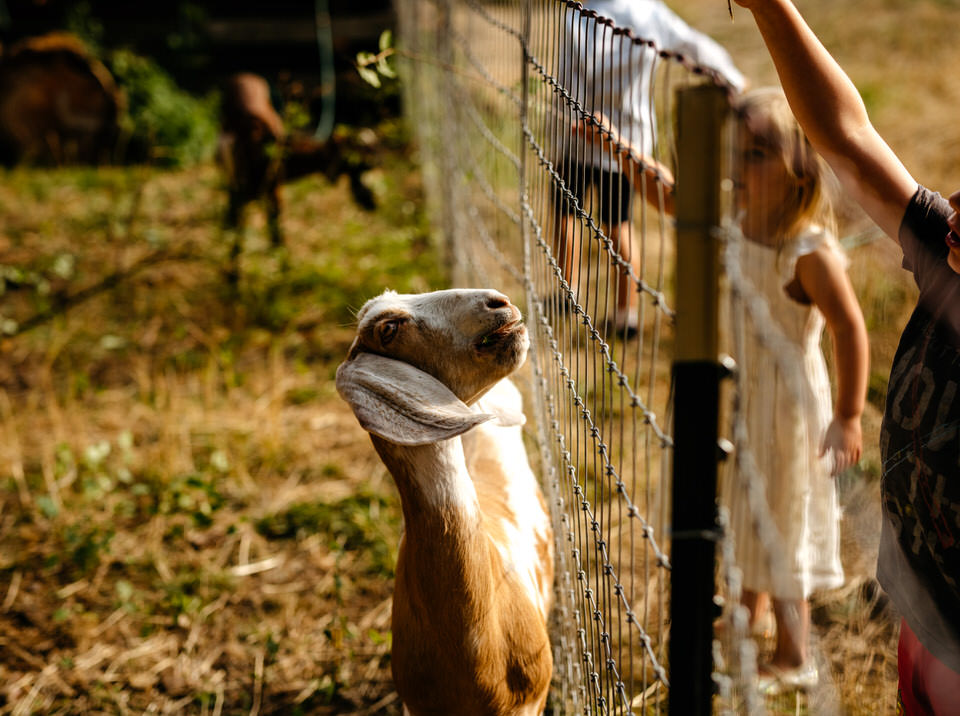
(919, 561)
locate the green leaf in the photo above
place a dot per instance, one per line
(124, 590)
(366, 58)
(384, 68)
(369, 76)
(386, 40)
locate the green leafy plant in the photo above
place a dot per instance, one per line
(373, 66)
(165, 124)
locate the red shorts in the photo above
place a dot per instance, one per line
(928, 687)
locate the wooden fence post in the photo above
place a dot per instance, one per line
(702, 114)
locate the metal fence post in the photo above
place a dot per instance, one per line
(448, 149)
(702, 111)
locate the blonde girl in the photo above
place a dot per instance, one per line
(799, 437)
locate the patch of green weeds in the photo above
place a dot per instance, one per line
(191, 589)
(331, 470)
(195, 495)
(877, 389)
(301, 395)
(357, 523)
(323, 693)
(78, 548)
(166, 124)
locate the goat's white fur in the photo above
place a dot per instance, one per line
(497, 446)
(475, 568)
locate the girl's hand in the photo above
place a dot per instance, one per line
(844, 439)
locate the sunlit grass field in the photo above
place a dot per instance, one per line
(190, 519)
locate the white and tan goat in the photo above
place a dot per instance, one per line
(475, 566)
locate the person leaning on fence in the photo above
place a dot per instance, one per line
(793, 263)
(919, 558)
(608, 73)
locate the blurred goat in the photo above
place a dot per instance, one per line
(58, 104)
(258, 155)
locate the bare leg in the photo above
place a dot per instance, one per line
(793, 632)
(568, 250)
(757, 603)
(272, 200)
(621, 235)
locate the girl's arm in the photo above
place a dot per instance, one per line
(832, 114)
(825, 282)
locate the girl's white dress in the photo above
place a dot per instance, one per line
(787, 408)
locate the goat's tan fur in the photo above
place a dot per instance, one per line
(475, 567)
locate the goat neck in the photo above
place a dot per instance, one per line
(467, 638)
(443, 535)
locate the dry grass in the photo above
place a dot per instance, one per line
(190, 519)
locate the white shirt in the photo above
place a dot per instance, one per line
(613, 74)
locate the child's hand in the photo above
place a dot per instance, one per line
(845, 439)
(587, 129)
(599, 130)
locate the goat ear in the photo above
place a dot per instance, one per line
(402, 404)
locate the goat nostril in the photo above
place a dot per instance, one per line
(497, 302)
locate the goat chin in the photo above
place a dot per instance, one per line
(475, 567)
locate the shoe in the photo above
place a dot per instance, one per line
(774, 680)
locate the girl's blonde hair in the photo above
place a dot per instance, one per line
(811, 203)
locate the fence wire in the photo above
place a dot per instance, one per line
(539, 187)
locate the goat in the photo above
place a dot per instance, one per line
(258, 156)
(58, 104)
(475, 565)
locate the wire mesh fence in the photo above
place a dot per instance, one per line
(547, 136)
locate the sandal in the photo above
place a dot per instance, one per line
(774, 680)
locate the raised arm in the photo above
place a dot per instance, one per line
(832, 114)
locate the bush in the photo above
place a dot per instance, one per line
(165, 125)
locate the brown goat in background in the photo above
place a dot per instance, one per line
(258, 155)
(58, 104)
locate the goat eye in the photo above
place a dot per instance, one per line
(389, 330)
